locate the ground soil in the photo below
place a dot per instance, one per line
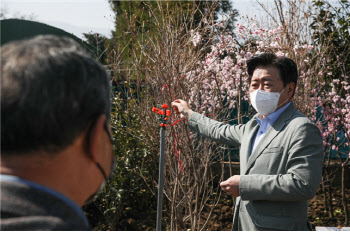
(318, 215)
(221, 218)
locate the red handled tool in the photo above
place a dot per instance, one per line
(164, 114)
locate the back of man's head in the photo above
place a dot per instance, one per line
(51, 90)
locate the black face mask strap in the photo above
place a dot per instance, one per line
(91, 198)
(102, 171)
(87, 144)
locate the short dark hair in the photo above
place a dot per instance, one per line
(287, 68)
(51, 90)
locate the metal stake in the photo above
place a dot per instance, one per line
(161, 178)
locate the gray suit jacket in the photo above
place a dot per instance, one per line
(280, 176)
(24, 208)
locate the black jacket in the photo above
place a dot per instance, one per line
(26, 208)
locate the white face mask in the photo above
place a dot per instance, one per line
(265, 102)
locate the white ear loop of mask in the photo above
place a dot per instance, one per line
(280, 97)
(265, 102)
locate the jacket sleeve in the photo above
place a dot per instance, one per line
(215, 130)
(303, 171)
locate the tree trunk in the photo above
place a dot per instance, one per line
(343, 196)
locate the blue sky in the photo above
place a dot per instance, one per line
(74, 16)
(84, 16)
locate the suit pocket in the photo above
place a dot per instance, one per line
(270, 150)
(273, 222)
(270, 160)
(271, 215)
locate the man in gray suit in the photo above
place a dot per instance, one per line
(56, 150)
(281, 150)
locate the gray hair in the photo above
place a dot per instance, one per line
(51, 90)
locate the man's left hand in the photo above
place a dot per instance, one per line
(231, 186)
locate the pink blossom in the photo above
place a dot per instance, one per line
(336, 81)
(279, 54)
(275, 44)
(296, 47)
(196, 38)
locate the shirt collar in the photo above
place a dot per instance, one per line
(272, 117)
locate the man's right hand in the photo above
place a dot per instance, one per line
(181, 107)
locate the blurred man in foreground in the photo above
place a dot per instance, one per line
(281, 150)
(56, 150)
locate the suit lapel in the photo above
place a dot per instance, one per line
(247, 146)
(274, 130)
